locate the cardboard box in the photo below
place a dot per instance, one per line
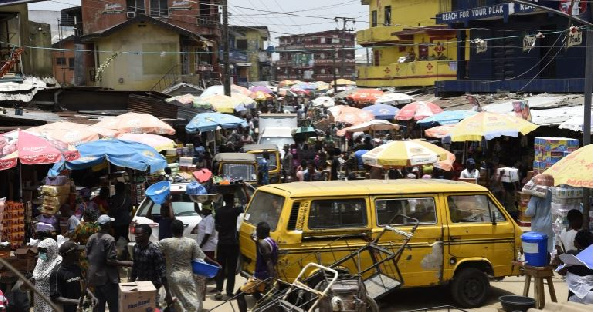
(137, 297)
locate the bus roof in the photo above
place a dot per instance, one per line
(372, 187)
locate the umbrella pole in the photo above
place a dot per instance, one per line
(20, 182)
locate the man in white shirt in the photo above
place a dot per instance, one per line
(207, 239)
(471, 172)
(566, 239)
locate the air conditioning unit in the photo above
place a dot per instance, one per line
(130, 14)
(201, 21)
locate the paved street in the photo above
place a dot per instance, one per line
(410, 299)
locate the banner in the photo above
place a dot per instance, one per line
(528, 43)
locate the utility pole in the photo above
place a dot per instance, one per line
(335, 89)
(342, 37)
(226, 72)
(587, 113)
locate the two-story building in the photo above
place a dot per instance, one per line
(140, 44)
(324, 56)
(248, 53)
(517, 47)
(408, 48)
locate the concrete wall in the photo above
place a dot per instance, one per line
(40, 59)
(18, 32)
(137, 71)
(51, 18)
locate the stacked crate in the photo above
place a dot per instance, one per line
(13, 223)
(549, 150)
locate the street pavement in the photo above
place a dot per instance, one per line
(417, 298)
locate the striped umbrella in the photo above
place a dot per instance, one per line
(396, 154)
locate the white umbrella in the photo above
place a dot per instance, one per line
(394, 99)
(373, 125)
(323, 101)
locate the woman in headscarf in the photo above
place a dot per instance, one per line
(48, 260)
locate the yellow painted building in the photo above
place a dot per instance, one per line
(250, 41)
(408, 48)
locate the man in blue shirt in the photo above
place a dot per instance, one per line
(263, 169)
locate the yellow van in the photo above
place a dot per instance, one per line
(464, 236)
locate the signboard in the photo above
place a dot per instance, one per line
(180, 4)
(111, 8)
(575, 37)
(484, 12)
(521, 109)
(528, 43)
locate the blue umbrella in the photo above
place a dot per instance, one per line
(447, 117)
(382, 111)
(121, 153)
(359, 154)
(210, 121)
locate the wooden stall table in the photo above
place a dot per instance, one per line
(539, 274)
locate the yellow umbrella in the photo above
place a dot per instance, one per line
(221, 103)
(243, 99)
(577, 169)
(341, 82)
(404, 153)
(286, 83)
(490, 125)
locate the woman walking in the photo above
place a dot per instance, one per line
(179, 252)
(48, 260)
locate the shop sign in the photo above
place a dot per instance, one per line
(180, 4)
(480, 45)
(575, 37)
(474, 13)
(111, 8)
(528, 43)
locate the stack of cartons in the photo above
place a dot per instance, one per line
(55, 196)
(13, 223)
(549, 150)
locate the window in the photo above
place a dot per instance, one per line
(373, 18)
(473, 208)
(239, 171)
(61, 61)
(322, 39)
(265, 207)
(71, 63)
(334, 214)
(242, 44)
(387, 16)
(376, 56)
(136, 6)
(393, 211)
(159, 8)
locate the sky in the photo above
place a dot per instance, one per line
(303, 16)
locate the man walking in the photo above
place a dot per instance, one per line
(103, 274)
(148, 261)
(65, 281)
(287, 163)
(228, 247)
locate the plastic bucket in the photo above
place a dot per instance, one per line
(535, 247)
(204, 269)
(159, 191)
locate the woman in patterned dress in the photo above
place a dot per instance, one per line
(48, 260)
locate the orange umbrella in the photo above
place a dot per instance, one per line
(439, 132)
(68, 132)
(418, 110)
(136, 123)
(241, 90)
(350, 115)
(446, 164)
(366, 96)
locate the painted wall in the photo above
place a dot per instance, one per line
(40, 59)
(407, 12)
(418, 73)
(65, 74)
(16, 32)
(137, 71)
(256, 43)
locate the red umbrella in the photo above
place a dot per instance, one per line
(366, 96)
(32, 150)
(417, 111)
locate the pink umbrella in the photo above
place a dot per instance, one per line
(68, 132)
(261, 89)
(32, 150)
(417, 111)
(136, 123)
(159, 143)
(350, 115)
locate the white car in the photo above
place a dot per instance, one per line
(184, 209)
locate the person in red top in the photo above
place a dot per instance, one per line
(102, 200)
(3, 302)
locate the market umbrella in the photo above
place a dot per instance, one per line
(304, 132)
(322, 86)
(323, 101)
(210, 121)
(220, 103)
(446, 118)
(68, 132)
(447, 164)
(159, 143)
(219, 90)
(417, 111)
(30, 149)
(576, 169)
(261, 89)
(373, 125)
(342, 82)
(394, 98)
(303, 86)
(490, 125)
(396, 154)
(350, 115)
(286, 92)
(286, 83)
(260, 96)
(244, 100)
(344, 94)
(128, 154)
(439, 131)
(136, 123)
(366, 96)
(382, 111)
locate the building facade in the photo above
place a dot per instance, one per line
(323, 56)
(144, 44)
(519, 48)
(408, 48)
(248, 54)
